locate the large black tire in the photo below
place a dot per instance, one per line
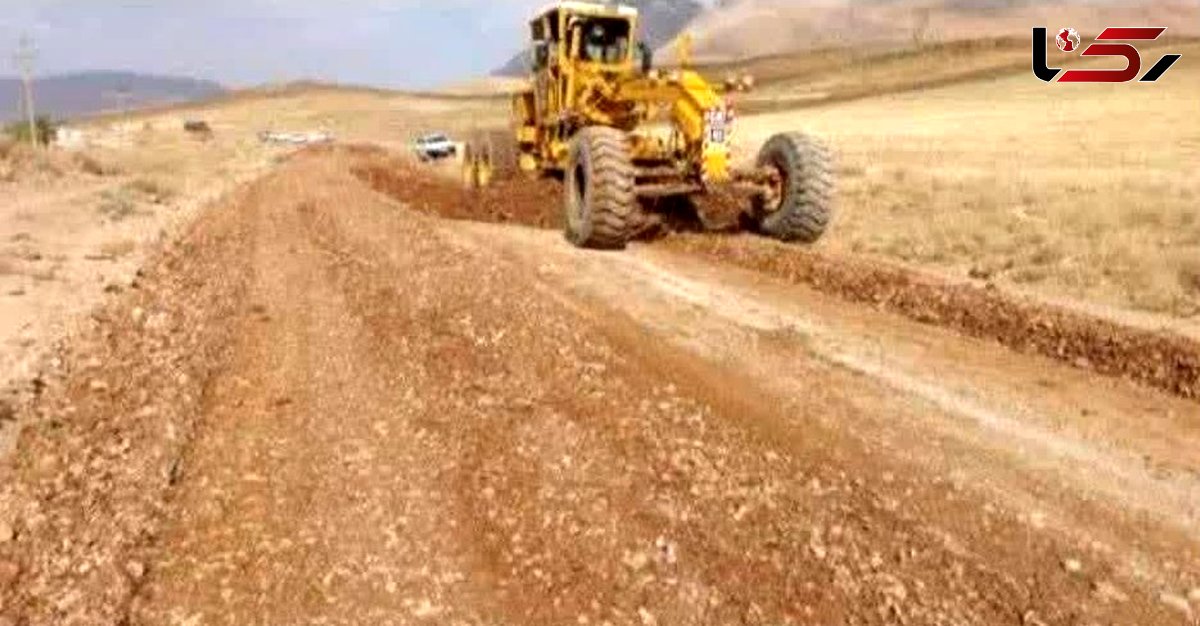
(599, 198)
(804, 207)
(503, 143)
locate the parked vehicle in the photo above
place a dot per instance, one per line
(434, 147)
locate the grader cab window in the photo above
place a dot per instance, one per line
(603, 40)
(540, 55)
(545, 41)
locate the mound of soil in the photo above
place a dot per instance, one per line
(533, 202)
(1160, 360)
(1165, 361)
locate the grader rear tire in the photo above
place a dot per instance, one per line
(601, 206)
(805, 201)
(503, 144)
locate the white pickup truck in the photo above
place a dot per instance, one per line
(434, 147)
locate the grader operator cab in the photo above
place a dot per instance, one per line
(621, 134)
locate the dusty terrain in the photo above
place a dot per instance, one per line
(76, 225)
(292, 419)
(347, 392)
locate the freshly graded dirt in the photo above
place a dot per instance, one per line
(509, 200)
(326, 406)
(1161, 360)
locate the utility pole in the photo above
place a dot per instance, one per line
(24, 59)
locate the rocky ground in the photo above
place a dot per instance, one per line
(324, 405)
(76, 224)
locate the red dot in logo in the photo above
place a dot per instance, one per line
(1067, 40)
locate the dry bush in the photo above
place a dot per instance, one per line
(49, 165)
(18, 161)
(95, 166)
(157, 190)
(117, 204)
(15, 153)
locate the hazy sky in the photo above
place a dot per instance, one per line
(400, 43)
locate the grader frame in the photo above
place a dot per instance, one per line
(620, 132)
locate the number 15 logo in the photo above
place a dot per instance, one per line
(1068, 41)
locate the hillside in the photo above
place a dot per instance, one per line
(88, 93)
(751, 28)
(729, 30)
(662, 20)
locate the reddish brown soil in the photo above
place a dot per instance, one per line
(1163, 361)
(109, 427)
(322, 407)
(509, 200)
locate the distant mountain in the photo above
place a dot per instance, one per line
(87, 93)
(741, 29)
(661, 21)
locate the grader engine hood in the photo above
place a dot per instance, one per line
(702, 117)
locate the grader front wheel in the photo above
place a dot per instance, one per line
(599, 193)
(800, 205)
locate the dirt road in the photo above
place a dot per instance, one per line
(323, 408)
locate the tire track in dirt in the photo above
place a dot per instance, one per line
(379, 419)
(968, 410)
(313, 492)
(718, 510)
(1156, 359)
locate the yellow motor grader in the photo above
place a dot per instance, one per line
(621, 133)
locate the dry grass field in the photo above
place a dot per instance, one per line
(756, 28)
(75, 224)
(841, 74)
(1084, 191)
